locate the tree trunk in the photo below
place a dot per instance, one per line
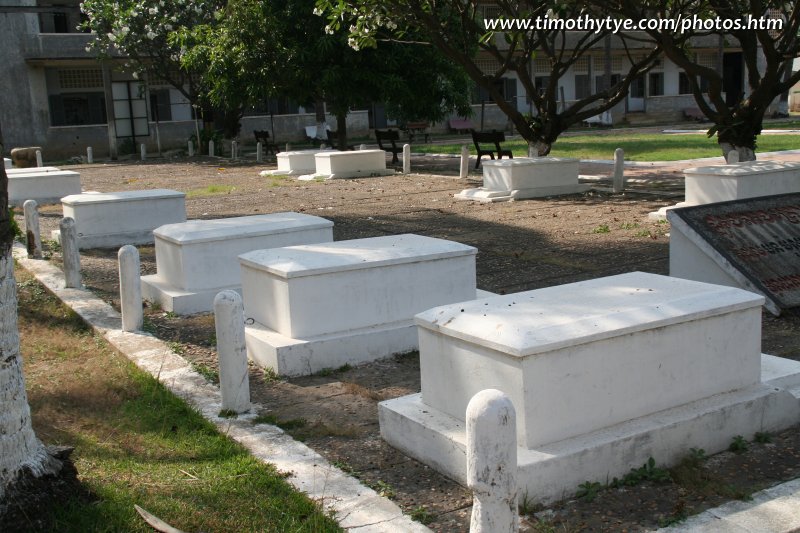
(538, 148)
(746, 153)
(341, 131)
(319, 111)
(20, 450)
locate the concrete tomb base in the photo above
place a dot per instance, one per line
(737, 181)
(111, 220)
(525, 177)
(352, 164)
(295, 163)
(36, 170)
(604, 374)
(348, 302)
(197, 259)
(44, 187)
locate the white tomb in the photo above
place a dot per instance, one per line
(197, 259)
(332, 164)
(348, 302)
(6, 163)
(296, 162)
(32, 170)
(604, 374)
(113, 219)
(44, 187)
(525, 177)
(736, 181)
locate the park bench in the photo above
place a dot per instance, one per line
(694, 113)
(479, 138)
(417, 128)
(460, 125)
(333, 140)
(389, 136)
(262, 136)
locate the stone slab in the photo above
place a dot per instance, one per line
(197, 259)
(45, 188)
(737, 181)
(31, 171)
(114, 219)
(296, 162)
(524, 177)
(552, 472)
(350, 164)
(309, 290)
(753, 244)
(579, 357)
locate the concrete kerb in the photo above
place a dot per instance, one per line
(357, 508)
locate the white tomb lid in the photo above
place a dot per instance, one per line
(542, 320)
(350, 153)
(526, 161)
(121, 196)
(746, 168)
(199, 231)
(315, 259)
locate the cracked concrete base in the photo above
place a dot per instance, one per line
(357, 508)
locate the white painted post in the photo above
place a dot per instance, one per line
(191, 149)
(211, 148)
(492, 462)
(406, 159)
(362, 147)
(733, 157)
(70, 253)
(464, 162)
(89, 155)
(32, 235)
(619, 170)
(234, 382)
(288, 147)
(143, 151)
(130, 288)
(234, 149)
(322, 146)
(259, 152)
(39, 162)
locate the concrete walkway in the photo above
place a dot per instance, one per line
(356, 507)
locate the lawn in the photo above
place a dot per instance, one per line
(136, 443)
(637, 146)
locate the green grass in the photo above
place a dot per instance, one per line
(136, 443)
(637, 146)
(211, 190)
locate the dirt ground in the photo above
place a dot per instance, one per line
(522, 245)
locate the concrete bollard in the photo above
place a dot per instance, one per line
(211, 148)
(322, 146)
(234, 149)
(288, 147)
(130, 288)
(733, 157)
(143, 151)
(406, 159)
(618, 184)
(362, 147)
(259, 152)
(33, 237)
(89, 155)
(464, 162)
(191, 149)
(70, 253)
(39, 162)
(492, 462)
(234, 381)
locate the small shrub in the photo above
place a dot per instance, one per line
(602, 228)
(588, 490)
(762, 437)
(228, 413)
(738, 445)
(421, 515)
